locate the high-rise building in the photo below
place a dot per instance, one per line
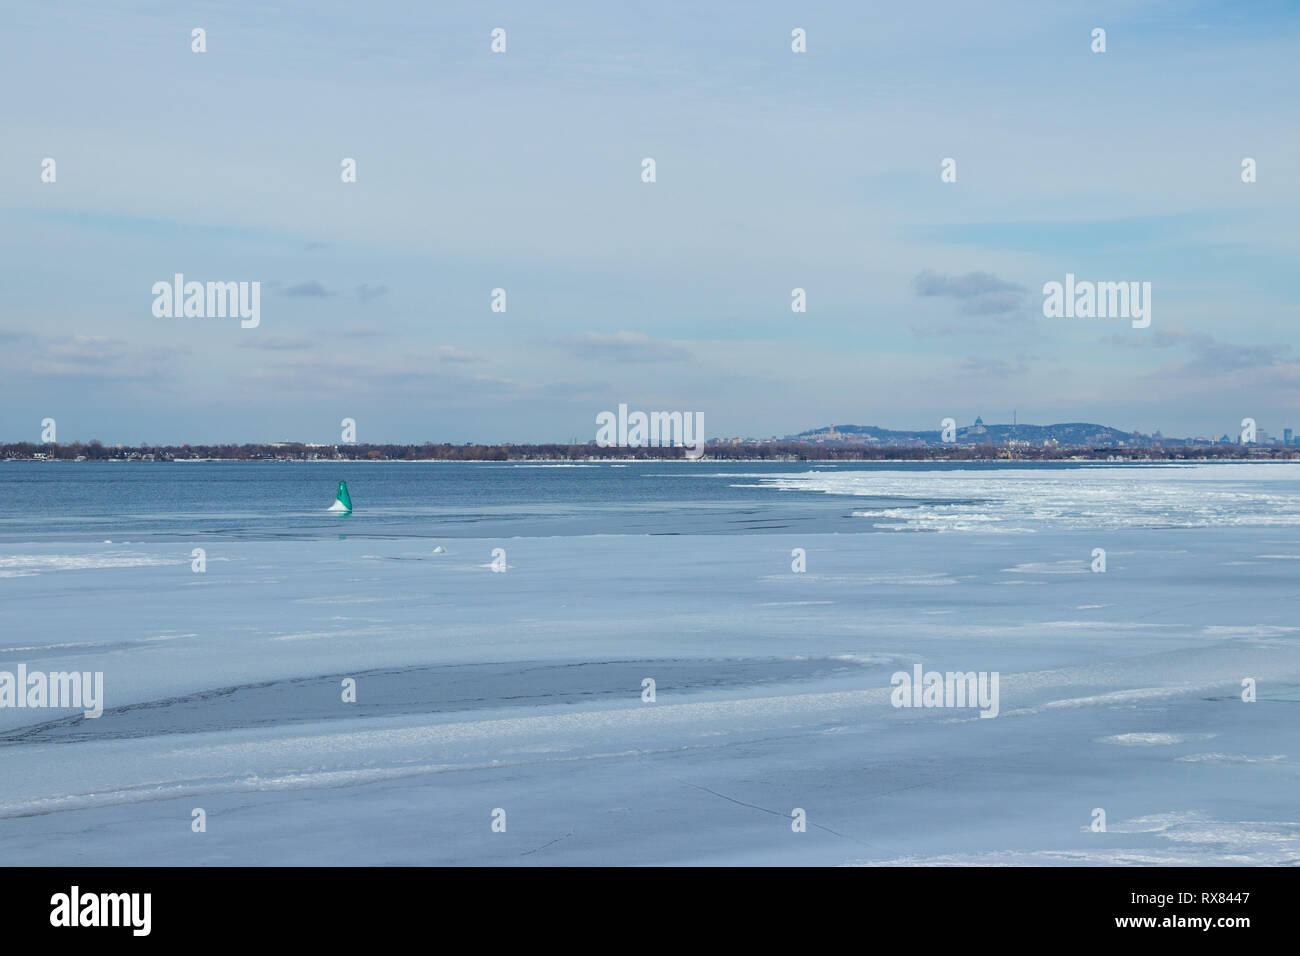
(1288, 437)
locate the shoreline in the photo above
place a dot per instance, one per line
(578, 462)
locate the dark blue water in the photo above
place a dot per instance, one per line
(95, 501)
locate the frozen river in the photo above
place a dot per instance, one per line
(502, 717)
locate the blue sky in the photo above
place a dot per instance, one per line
(521, 171)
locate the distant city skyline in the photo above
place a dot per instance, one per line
(775, 172)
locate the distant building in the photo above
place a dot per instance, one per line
(1288, 437)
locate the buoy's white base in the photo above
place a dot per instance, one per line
(339, 506)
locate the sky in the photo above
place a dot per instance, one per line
(522, 171)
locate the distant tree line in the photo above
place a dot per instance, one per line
(726, 451)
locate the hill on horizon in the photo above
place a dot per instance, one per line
(1065, 433)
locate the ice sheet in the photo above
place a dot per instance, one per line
(479, 690)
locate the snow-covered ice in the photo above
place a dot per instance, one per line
(478, 690)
